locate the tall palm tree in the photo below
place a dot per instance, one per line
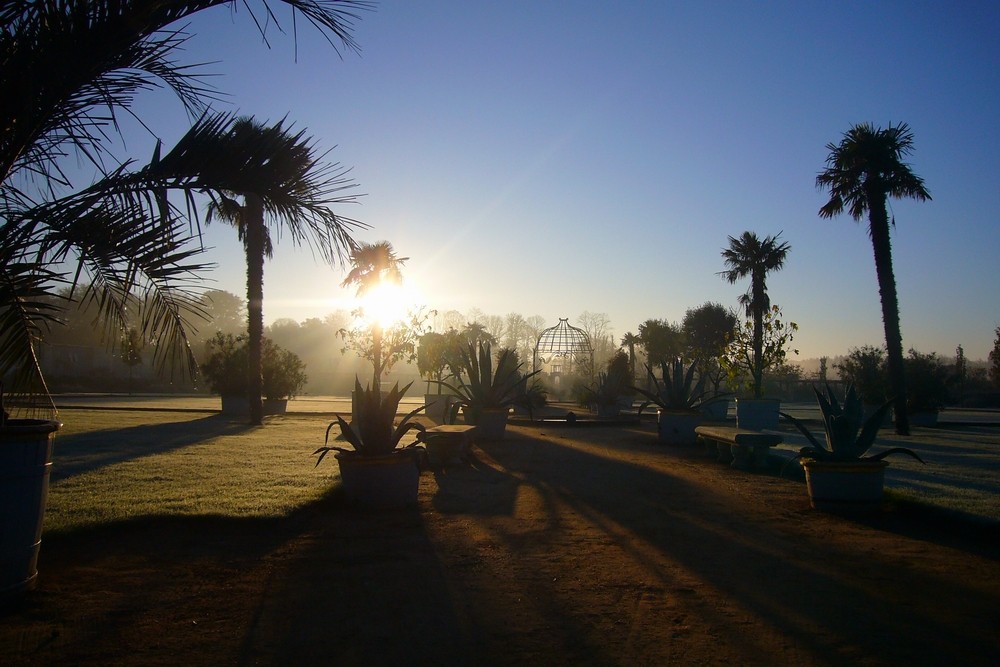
(862, 172)
(374, 264)
(746, 256)
(291, 207)
(629, 341)
(68, 70)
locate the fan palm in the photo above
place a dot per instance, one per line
(750, 256)
(302, 178)
(374, 264)
(862, 172)
(68, 70)
(629, 341)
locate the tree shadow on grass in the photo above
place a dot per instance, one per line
(827, 599)
(83, 452)
(325, 585)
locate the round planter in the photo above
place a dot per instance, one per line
(757, 414)
(437, 406)
(677, 428)
(491, 423)
(239, 406)
(25, 461)
(716, 411)
(380, 482)
(854, 486)
(607, 410)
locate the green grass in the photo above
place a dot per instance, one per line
(114, 466)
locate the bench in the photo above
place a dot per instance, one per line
(745, 449)
(447, 444)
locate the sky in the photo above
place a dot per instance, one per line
(551, 158)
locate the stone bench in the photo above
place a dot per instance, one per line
(742, 448)
(447, 444)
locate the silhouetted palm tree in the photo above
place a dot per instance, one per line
(629, 341)
(749, 256)
(375, 264)
(297, 178)
(862, 172)
(68, 70)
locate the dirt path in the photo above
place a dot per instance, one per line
(555, 547)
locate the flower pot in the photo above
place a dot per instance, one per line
(845, 486)
(239, 406)
(25, 461)
(437, 406)
(491, 423)
(380, 482)
(757, 414)
(607, 410)
(677, 428)
(716, 411)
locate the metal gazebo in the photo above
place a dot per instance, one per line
(563, 350)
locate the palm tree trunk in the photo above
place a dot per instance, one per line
(255, 232)
(879, 230)
(758, 334)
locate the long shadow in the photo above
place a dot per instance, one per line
(745, 557)
(324, 585)
(83, 452)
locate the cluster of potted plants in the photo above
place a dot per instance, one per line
(485, 393)
(680, 401)
(226, 372)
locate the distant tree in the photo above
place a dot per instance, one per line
(865, 368)
(629, 341)
(750, 256)
(707, 330)
(862, 172)
(223, 311)
(598, 327)
(822, 373)
(513, 331)
(131, 351)
(662, 341)
(994, 369)
(961, 370)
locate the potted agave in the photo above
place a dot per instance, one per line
(25, 460)
(486, 395)
(841, 474)
(606, 395)
(376, 473)
(679, 401)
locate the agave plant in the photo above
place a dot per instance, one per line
(849, 435)
(480, 388)
(373, 433)
(679, 390)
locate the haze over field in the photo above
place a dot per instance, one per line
(549, 161)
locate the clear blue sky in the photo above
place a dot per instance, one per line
(553, 158)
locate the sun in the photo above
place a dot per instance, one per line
(386, 304)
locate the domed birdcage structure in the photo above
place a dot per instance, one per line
(563, 350)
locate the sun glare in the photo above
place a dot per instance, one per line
(386, 304)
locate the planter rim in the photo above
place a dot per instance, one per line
(379, 459)
(844, 466)
(30, 426)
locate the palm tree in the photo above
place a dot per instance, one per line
(862, 172)
(749, 256)
(68, 70)
(629, 341)
(374, 264)
(294, 165)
